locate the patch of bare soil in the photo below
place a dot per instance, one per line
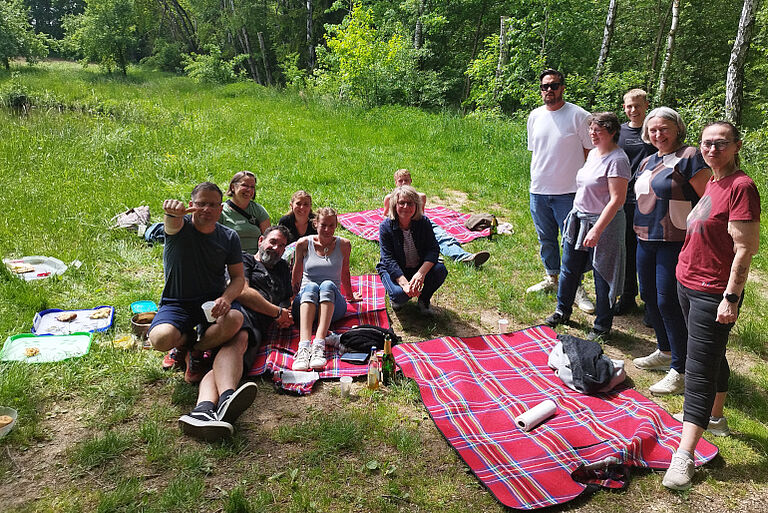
(455, 200)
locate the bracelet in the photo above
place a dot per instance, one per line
(169, 215)
(279, 312)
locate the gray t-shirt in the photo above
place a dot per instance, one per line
(195, 262)
(592, 194)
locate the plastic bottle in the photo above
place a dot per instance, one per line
(373, 370)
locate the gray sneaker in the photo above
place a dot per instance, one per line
(654, 361)
(583, 302)
(680, 473)
(671, 384)
(548, 284)
(716, 426)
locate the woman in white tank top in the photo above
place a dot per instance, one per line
(320, 274)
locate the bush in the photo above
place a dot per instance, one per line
(165, 57)
(212, 67)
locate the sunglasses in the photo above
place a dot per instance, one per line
(554, 86)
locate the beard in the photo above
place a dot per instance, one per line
(268, 257)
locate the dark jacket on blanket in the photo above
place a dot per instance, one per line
(391, 242)
(583, 366)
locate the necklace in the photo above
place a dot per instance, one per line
(324, 249)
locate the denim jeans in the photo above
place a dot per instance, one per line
(549, 212)
(575, 262)
(449, 246)
(326, 292)
(432, 281)
(656, 263)
(707, 369)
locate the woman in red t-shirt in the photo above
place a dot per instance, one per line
(721, 238)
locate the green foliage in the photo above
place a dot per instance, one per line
(17, 39)
(105, 33)
(165, 57)
(211, 67)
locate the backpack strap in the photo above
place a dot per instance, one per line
(240, 211)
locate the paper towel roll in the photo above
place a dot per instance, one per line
(536, 415)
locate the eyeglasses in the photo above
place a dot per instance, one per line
(204, 204)
(405, 204)
(596, 130)
(554, 86)
(246, 186)
(719, 145)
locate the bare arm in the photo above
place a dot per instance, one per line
(699, 181)
(174, 211)
(386, 203)
(253, 300)
(617, 188)
(223, 304)
(423, 199)
(746, 240)
(298, 264)
(352, 296)
(264, 225)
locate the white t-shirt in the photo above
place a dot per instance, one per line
(557, 140)
(592, 194)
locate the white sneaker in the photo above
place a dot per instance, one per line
(583, 302)
(680, 473)
(548, 284)
(716, 426)
(317, 359)
(301, 359)
(672, 383)
(654, 361)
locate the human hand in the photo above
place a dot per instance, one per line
(417, 283)
(727, 312)
(590, 240)
(285, 319)
(356, 297)
(176, 208)
(220, 307)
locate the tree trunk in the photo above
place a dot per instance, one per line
(734, 82)
(503, 55)
(668, 56)
(418, 31)
(264, 58)
(610, 21)
(475, 43)
(657, 48)
(312, 59)
(245, 45)
(546, 28)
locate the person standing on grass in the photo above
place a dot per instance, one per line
(266, 298)
(722, 236)
(631, 141)
(558, 136)
(198, 251)
(449, 246)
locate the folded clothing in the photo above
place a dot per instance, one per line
(583, 366)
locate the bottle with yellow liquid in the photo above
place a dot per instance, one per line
(373, 370)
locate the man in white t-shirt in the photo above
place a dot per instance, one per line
(558, 136)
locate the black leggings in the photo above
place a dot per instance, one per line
(706, 367)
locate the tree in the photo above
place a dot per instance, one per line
(668, 55)
(735, 79)
(610, 22)
(17, 39)
(105, 32)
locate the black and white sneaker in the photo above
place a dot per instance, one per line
(238, 401)
(205, 426)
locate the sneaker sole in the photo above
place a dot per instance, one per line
(240, 400)
(209, 430)
(675, 486)
(653, 368)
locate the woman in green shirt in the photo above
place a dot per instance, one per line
(242, 214)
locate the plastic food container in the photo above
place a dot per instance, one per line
(4, 410)
(140, 324)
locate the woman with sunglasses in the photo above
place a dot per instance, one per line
(722, 237)
(593, 233)
(668, 185)
(409, 251)
(242, 214)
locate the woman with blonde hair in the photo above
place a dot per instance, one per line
(299, 220)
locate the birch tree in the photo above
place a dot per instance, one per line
(734, 83)
(610, 22)
(668, 55)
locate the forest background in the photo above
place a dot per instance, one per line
(706, 58)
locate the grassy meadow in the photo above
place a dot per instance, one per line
(99, 433)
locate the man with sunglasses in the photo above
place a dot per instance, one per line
(558, 138)
(198, 251)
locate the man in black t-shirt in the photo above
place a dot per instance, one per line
(631, 141)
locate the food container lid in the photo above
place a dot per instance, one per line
(145, 305)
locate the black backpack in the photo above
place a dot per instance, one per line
(362, 338)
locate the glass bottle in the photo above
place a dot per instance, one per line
(373, 370)
(387, 363)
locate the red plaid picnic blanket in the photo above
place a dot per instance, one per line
(475, 387)
(276, 353)
(366, 224)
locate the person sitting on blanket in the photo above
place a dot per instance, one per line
(242, 214)
(449, 246)
(265, 296)
(409, 252)
(299, 220)
(320, 274)
(198, 251)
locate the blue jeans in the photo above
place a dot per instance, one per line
(656, 262)
(549, 212)
(449, 246)
(575, 262)
(326, 292)
(432, 281)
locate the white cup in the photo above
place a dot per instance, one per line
(503, 325)
(207, 307)
(346, 386)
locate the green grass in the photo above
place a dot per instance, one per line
(93, 146)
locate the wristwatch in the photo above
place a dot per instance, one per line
(279, 312)
(731, 298)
